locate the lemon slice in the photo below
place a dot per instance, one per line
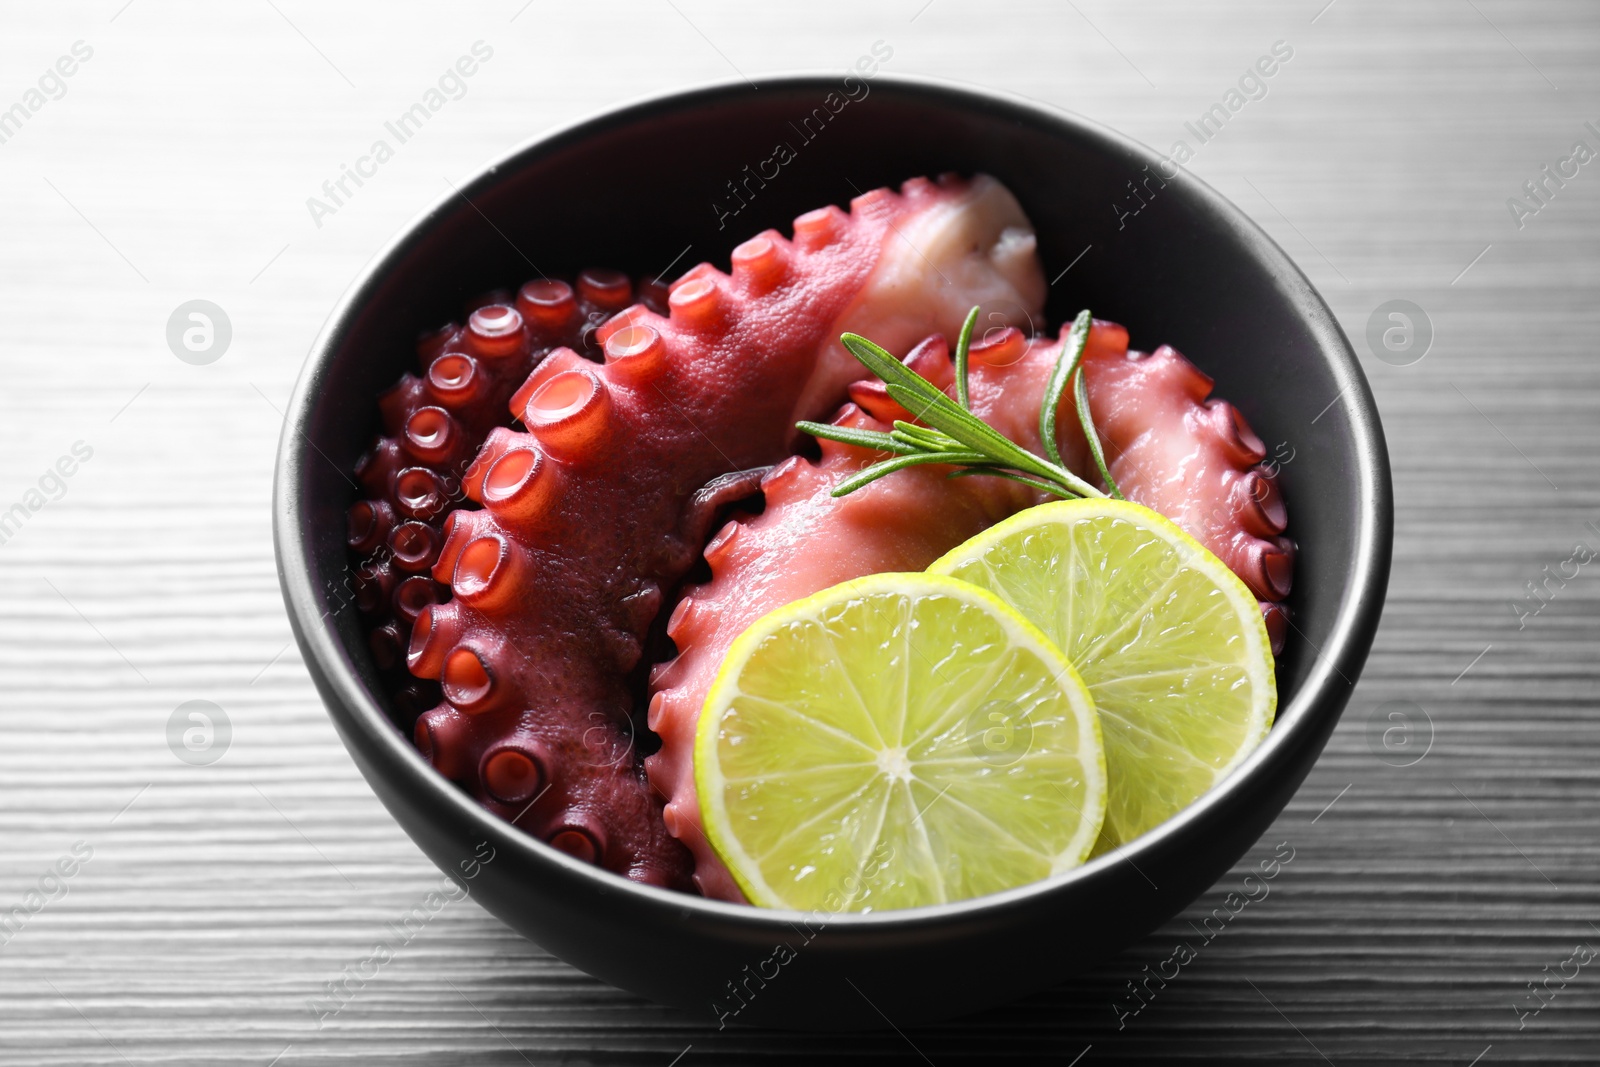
(1169, 641)
(896, 741)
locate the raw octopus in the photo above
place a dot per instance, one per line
(1168, 448)
(592, 517)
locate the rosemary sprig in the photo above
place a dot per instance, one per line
(956, 437)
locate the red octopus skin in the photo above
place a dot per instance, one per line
(593, 515)
(433, 426)
(1168, 447)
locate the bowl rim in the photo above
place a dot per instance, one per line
(1355, 616)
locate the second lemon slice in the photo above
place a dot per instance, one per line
(895, 741)
(1169, 641)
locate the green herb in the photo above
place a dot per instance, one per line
(1067, 370)
(962, 345)
(954, 436)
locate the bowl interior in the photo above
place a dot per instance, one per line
(672, 182)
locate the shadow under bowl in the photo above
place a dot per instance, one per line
(651, 185)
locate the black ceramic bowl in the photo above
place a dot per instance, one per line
(630, 189)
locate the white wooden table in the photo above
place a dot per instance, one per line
(216, 901)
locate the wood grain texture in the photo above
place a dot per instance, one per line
(219, 900)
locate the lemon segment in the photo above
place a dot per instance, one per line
(897, 741)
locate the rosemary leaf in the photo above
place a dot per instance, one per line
(963, 346)
(891, 370)
(1080, 395)
(889, 466)
(873, 439)
(923, 437)
(1071, 355)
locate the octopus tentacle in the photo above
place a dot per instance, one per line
(434, 422)
(1170, 448)
(593, 514)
